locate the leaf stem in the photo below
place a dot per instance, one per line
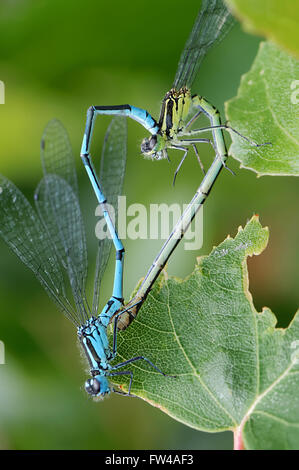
(238, 441)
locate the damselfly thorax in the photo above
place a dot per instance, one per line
(178, 112)
(173, 118)
(174, 111)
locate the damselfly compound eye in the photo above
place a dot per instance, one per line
(92, 387)
(148, 145)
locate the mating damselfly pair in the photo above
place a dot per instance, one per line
(52, 242)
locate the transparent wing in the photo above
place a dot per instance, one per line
(112, 171)
(57, 155)
(212, 24)
(25, 235)
(59, 210)
(57, 201)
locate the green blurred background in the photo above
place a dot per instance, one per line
(56, 59)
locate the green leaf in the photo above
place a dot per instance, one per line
(274, 19)
(234, 370)
(266, 109)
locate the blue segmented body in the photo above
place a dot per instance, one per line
(125, 110)
(144, 118)
(93, 333)
(118, 277)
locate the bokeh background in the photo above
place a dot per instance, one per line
(56, 59)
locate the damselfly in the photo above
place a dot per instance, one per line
(52, 244)
(179, 109)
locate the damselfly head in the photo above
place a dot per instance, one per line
(98, 386)
(148, 145)
(153, 147)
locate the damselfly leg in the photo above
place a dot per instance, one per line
(193, 143)
(130, 361)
